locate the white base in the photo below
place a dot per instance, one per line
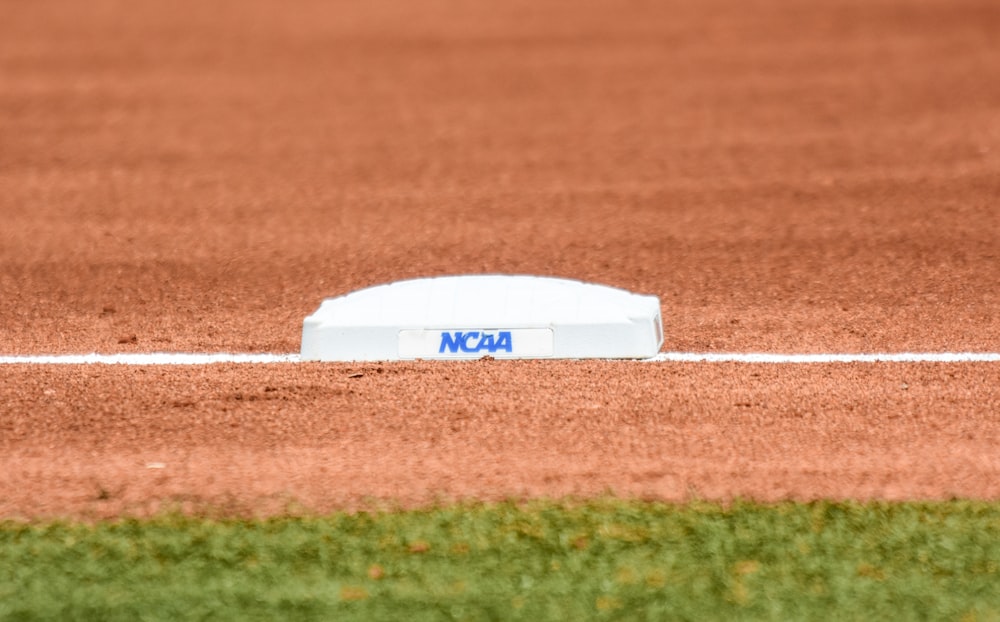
(469, 317)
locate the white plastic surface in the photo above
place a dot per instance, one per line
(469, 317)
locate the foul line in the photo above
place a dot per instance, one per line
(179, 358)
(153, 358)
(880, 357)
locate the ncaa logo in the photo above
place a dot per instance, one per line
(475, 341)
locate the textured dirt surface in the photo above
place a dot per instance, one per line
(787, 176)
(317, 437)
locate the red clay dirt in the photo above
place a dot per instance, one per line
(786, 176)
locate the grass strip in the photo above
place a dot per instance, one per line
(604, 559)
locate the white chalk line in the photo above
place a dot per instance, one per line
(878, 357)
(152, 358)
(181, 358)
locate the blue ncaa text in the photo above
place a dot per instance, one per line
(475, 341)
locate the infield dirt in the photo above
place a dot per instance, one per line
(786, 176)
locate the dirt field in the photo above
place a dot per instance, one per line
(787, 176)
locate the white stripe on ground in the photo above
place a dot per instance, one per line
(880, 357)
(154, 358)
(180, 358)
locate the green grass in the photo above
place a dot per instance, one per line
(606, 559)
